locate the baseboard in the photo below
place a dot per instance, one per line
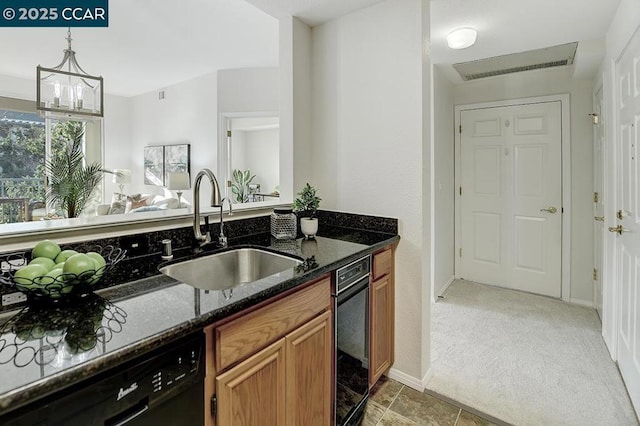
(444, 288)
(581, 302)
(427, 377)
(410, 381)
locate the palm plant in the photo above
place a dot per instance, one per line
(71, 182)
(240, 185)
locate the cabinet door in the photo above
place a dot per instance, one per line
(253, 392)
(381, 337)
(309, 391)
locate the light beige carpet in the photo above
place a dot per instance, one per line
(525, 359)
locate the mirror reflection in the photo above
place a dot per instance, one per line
(161, 90)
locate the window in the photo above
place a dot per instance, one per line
(27, 141)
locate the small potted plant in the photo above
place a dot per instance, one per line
(307, 205)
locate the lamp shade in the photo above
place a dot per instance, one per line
(461, 38)
(178, 181)
(121, 176)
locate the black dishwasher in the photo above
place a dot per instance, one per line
(164, 387)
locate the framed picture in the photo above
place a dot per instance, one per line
(154, 165)
(160, 160)
(177, 159)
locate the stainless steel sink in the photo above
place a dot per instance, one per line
(229, 269)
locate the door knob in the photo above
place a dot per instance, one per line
(619, 229)
(599, 218)
(551, 210)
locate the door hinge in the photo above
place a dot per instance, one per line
(460, 129)
(228, 133)
(460, 252)
(596, 197)
(595, 274)
(214, 406)
(460, 190)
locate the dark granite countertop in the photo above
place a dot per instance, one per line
(46, 349)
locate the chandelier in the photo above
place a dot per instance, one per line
(67, 89)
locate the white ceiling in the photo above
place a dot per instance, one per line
(504, 26)
(510, 26)
(151, 44)
(312, 12)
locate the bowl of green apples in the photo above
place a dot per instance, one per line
(53, 272)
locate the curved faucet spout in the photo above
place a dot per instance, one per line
(215, 202)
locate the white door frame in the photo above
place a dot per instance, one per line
(564, 100)
(598, 86)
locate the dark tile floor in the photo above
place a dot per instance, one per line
(392, 403)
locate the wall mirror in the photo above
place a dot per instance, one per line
(160, 89)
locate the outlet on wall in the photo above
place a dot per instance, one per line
(13, 298)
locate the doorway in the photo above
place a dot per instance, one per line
(512, 185)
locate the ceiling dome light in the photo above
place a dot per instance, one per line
(462, 38)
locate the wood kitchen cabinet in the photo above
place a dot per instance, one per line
(253, 393)
(381, 314)
(272, 365)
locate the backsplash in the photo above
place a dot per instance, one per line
(144, 250)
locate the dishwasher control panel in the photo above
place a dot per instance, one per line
(183, 364)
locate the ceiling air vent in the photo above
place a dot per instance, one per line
(555, 56)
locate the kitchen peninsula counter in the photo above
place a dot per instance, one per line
(137, 317)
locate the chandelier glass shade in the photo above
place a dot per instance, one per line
(67, 89)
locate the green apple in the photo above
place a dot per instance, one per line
(27, 275)
(44, 261)
(64, 255)
(98, 260)
(100, 264)
(59, 265)
(53, 282)
(55, 275)
(80, 265)
(45, 248)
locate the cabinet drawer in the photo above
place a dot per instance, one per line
(249, 333)
(382, 263)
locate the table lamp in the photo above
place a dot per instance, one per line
(121, 177)
(178, 182)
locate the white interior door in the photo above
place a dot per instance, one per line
(510, 199)
(598, 205)
(628, 242)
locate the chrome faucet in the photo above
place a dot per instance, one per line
(215, 202)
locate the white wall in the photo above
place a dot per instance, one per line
(257, 151)
(624, 24)
(19, 88)
(187, 114)
(444, 190)
(548, 82)
(261, 154)
(246, 90)
(367, 132)
(117, 140)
